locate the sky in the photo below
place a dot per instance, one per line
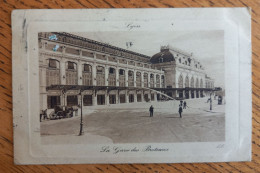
(206, 46)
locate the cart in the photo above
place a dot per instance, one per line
(61, 112)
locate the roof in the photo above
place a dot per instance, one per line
(163, 56)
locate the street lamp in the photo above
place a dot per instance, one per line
(210, 101)
(81, 120)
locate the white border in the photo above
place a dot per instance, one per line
(27, 23)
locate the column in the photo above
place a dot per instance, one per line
(62, 72)
(107, 98)
(79, 66)
(142, 96)
(106, 76)
(155, 80)
(94, 99)
(117, 77)
(117, 98)
(142, 79)
(126, 77)
(94, 74)
(160, 83)
(126, 96)
(149, 79)
(134, 78)
(155, 97)
(135, 96)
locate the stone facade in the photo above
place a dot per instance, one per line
(114, 75)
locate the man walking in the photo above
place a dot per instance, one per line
(184, 105)
(180, 110)
(151, 111)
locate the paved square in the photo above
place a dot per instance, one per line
(133, 125)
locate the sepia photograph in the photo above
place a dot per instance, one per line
(131, 87)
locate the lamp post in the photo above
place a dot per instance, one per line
(210, 101)
(81, 120)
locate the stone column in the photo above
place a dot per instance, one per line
(160, 81)
(106, 75)
(62, 72)
(135, 96)
(134, 78)
(94, 99)
(79, 68)
(94, 74)
(149, 79)
(126, 77)
(107, 98)
(126, 97)
(117, 77)
(142, 79)
(155, 97)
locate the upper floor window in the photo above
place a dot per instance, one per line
(72, 66)
(53, 63)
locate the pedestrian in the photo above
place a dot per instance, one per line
(180, 110)
(151, 111)
(184, 105)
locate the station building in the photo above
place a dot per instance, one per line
(111, 75)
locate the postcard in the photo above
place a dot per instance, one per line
(132, 85)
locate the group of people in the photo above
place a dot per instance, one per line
(182, 105)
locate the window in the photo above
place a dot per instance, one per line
(121, 72)
(87, 100)
(52, 63)
(87, 68)
(72, 100)
(71, 65)
(53, 101)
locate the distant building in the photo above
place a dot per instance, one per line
(113, 75)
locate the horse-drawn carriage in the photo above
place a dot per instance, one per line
(61, 112)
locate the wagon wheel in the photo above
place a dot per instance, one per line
(52, 115)
(60, 114)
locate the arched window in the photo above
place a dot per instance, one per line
(112, 77)
(130, 78)
(100, 75)
(87, 74)
(53, 72)
(121, 77)
(180, 82)
(192, 83)
(187, 82)
(71, 73)
(138, 79)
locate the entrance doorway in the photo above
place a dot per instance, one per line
(131, 98)
(139, 97)
(187, 94)
(192, 94)
(112, 99)
(101, 99)
(146, 97)
(122, 98)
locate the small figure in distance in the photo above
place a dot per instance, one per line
(184, 105)
(151, 111)
(180, 110)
